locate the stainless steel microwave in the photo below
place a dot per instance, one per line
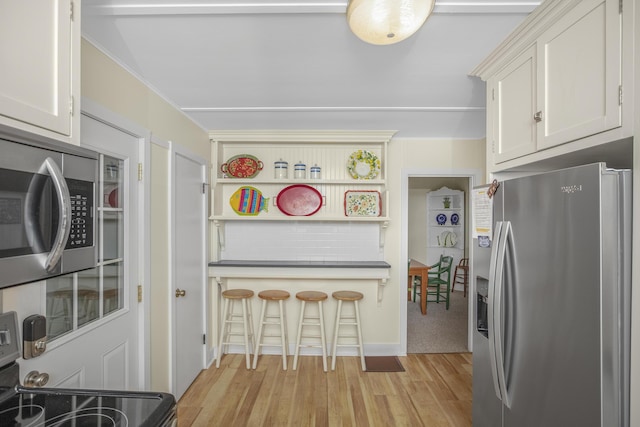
(47, 210)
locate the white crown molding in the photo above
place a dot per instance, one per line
(281, 136)
(286, 7)
(328, 109)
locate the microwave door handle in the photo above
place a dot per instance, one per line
(64, 214)
(492, 326)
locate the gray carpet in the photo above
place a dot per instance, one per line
(441, 330)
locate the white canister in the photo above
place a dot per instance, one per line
(314, 172)
(299, 170)
(281, 169)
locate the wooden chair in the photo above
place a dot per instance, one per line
(461, 275)
(439, 277)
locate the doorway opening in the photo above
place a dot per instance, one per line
(440, 330)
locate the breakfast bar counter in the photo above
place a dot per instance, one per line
(343, 270)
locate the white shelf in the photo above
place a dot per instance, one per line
(435, 206)
(285, 182)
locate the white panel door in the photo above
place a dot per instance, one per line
(92, 315)
(189, 267)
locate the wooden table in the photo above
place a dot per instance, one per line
(419, 269)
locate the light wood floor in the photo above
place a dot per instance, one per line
(434, 390)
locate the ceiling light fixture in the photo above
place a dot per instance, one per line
(387, 21)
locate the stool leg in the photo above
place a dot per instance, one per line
(361, 347)
(222, 331)
(251, 331)
(245, 321)
(323, 338)
(260, 329)
(283, 337)
(335, 336)
(299, 336)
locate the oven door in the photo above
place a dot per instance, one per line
(38, 215)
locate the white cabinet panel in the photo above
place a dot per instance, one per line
(36, 63)
(513, 101)
(579, 74)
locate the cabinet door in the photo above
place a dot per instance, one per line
(579, 73)
(513, 104)
(35, 58)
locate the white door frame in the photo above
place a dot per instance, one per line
(98, 112)
(185, 152)
(474, 176)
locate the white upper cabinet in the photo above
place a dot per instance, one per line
(554, 86)
(39, 56)
(579, 74)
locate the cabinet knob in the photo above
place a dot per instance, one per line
(538, 116)
(180, 293)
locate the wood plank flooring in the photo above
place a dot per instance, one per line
(434, 391)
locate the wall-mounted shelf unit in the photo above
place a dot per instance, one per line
(334, 152)
(331, 151)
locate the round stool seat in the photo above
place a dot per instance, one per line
(311, 296)
(274, 295)
(237, 293)
(347, 295)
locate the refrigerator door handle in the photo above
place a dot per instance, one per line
(493, 326)
(505, 268)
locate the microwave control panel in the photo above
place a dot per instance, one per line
(82, 220)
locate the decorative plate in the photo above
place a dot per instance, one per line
(455, 218)
(447, 239)
(242, 166)
(299, 200)
(362, 203)
(363, 164)
(248, 201)
(441, 219)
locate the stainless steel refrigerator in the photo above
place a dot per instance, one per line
(552, 314)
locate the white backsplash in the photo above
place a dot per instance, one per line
(302, 241)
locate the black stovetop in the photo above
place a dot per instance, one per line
(85, 408)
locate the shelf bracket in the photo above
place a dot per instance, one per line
(220, 227)
(381, 285)
(383, 228)
(222, 283)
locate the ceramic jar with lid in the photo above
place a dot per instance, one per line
(300, 170)
(281, 169)
(314, 172)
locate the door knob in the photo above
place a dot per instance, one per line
(36, 379)
(180, 293)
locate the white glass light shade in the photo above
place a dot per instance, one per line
(387, 21)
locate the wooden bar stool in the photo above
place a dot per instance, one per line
(354, 320)
(268, 319)
(318, 297)
(231, 296)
